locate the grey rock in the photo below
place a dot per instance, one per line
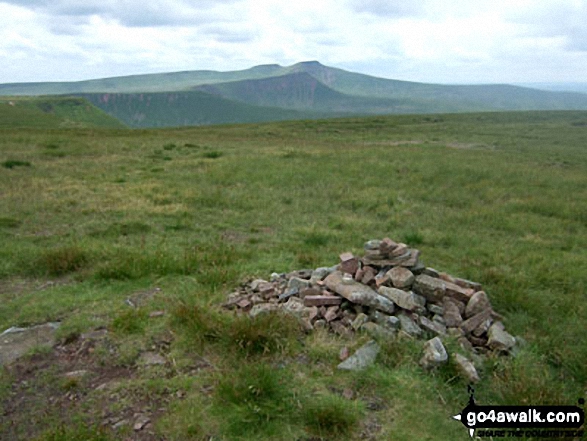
(358, 293)
(408, 325)
(385, 320)
(364, 357)
(319, 274)
(373, 244)
(297, 283)
(434, 354)
(431, 272)
(439, 319)
(151, 359)
(435, 309)
(482, 328)
(262, 308)
(464, 283)
(403, 299)
(359, 321)
(477, 303)
(16, 342)
(257, 284)
(401, 277)
(378, 332)
(432, 326)
(472, 323)
(452, 316)
(499, 338)
(432, 288)
(466, 368)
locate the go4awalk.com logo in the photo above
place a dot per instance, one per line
(522, 421)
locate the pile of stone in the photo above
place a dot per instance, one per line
(385, 292)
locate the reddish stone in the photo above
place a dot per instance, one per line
(331, 314)
(348, 263)
(322, 300)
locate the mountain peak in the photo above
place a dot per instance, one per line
(312, 63)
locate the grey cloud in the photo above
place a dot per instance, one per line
(229, 34)
(388, 8)
(565, 20)
(133, 13)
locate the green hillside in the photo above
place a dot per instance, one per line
(185, 109)
(302, 91)
(162, 82)
(272, 93)
(53, 112)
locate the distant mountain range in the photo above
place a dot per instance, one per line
(272, 92)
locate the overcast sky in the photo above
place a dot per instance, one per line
(442, 41)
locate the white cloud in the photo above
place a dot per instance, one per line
(422, 40)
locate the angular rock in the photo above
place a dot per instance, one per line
(348, 263)
(387, 321)
(310, 292)
(477, 303)
(412, 260)
(403, 299)
(452, 316)
(458, 293)
(357, 293)
(482, 328)
(431, 272)
(408, 325)
(435, 309)
(244, 303)
(464, 283)
(298, 283)
(359, 321)
(466, 368)
(378, 332)
(471, 323)
(386, 246)
(257, 283)
(321, 300)
(289, 293)
(431, 288)
(499, 339)
(262, 308)
(363, 358)
(399, 250)
(152, 359)
(401, 277)
(331, 314)
(373, 244)
(434, 354)
(368, 275)
(432, 326)
(16, 342)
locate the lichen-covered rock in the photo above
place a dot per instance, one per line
(499, 339)
(363, 358)
(466, 368)
(403, 299)
(434, 354)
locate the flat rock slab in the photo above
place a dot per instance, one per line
(358, 293)
(363, 358)
(16, 342)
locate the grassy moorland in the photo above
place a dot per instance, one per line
(92, 217)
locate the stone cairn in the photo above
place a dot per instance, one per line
(386, 293)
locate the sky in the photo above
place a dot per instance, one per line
(436, 41)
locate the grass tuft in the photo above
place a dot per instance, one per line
(60, 261)
(11, 163)
(331, 416)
